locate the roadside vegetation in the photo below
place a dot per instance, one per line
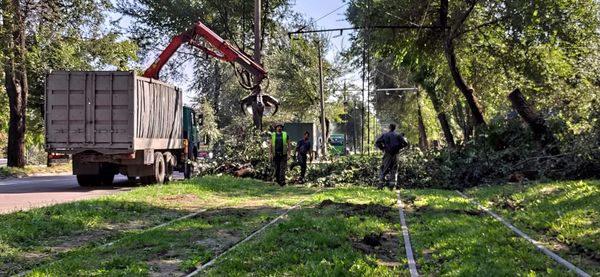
(32, 170)
(41, 235)
(349, 230)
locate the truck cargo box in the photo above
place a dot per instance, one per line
(111, 112)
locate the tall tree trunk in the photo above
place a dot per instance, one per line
(423, 141)
(467, 91)
(441, 115)
(15, 80)
(462, 117)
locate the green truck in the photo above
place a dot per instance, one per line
(338, 144)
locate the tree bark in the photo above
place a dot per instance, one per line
(441, 115)
(423, 141)
(535, 121)
(467, 91)
(15, 80)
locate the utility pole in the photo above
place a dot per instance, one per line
(323, 122)
(257, 28)
(362, 114)
(257, 107)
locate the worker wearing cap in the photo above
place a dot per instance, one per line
(279, 152)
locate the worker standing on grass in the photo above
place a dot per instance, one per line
(390, 143)
(278, 153)
(302, 149)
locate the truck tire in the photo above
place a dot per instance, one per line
(169, 166)
(147, 180)
(88, 180)
(188, 169)
(159, 168)
(106, 179)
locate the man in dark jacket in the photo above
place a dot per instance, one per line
(390, 143)
(302, 149)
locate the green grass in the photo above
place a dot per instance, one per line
(6, 172)
(40, 235)
(326, 236)
(565, 216)
(319, 240)
(451, 237)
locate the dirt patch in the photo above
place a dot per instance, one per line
(222, 240)
(165, 264)
(550, 191)
(350, 209)
(180, 198)
(428, 209)
(507, 204)
(183, 200)
(383, 246)
(216, 215)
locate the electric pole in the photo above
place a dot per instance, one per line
(257, 28)
(323, 122)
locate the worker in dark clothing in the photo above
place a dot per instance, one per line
(302, 149)
(390, 143)
(278, 153)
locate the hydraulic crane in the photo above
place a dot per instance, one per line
(250, 75)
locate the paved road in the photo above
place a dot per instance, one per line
(31, 192)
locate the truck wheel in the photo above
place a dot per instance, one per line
(88, 180)
(106, 179)
(159, 168)
(187, 170)
(169, 166)
(147, 180)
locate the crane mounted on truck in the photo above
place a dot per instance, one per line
(250, 76)
(115, 122)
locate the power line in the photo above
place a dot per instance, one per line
(302, 31)
(329, 13)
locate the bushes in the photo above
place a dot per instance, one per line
(504, 151)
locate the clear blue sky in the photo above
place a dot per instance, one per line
(316, 9)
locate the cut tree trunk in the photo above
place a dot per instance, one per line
(535, 121)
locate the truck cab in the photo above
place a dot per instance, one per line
(191, 123)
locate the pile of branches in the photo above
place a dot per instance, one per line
(242, 153)
(506, 151)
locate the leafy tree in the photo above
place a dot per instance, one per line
(209, 129)
(39, 36)
(491, 47)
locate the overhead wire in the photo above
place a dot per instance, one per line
(331, 12)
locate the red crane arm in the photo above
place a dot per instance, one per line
(223, 51)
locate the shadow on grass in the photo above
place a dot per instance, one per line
(331, 239)
(167, 251)
(31, 237)
(240, 187)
